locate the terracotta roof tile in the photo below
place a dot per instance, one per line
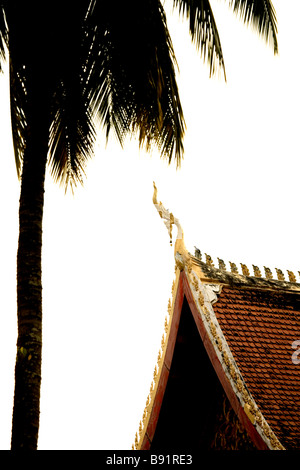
(260, 326)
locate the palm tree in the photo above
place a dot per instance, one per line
(72, 63)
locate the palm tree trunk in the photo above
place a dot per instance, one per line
(26, 410)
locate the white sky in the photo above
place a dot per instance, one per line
(107, 263)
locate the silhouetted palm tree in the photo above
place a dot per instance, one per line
(72, 62)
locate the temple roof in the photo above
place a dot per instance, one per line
(241, 334)
(260, 326)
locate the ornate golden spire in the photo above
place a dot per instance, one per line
(256, 270)
(280, 275)
(169, 221)
(233, 267)
(222, 265)
(292, 276)
(209, 260)
(268, 273)
(245, 269)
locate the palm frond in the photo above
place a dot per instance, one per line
(132, 81)
(204, 31)
(18, 107)
(3, 35)
(261, 15)
(72, 132)
(71, 136)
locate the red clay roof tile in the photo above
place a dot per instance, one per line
(260, 326)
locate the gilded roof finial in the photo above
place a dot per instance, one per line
(209, 260)
(280, 275)
(155, 373)
(140, 428)
(292, 277)
(256, 270)
(268, 273)
(222, 265)
(198, 253)
(159, 356)
(245, 269)
(166, 325)
(233, 268)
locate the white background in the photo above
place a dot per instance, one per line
(107, 263)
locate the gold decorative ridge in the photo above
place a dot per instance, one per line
(291, 277)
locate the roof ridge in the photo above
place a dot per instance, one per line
(208, 267)
(244, 270)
